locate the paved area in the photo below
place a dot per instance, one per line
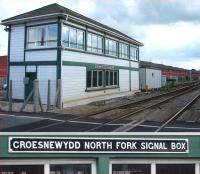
(62, 123)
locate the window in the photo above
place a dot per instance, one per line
(71, 169)
(94, 43)
(123, 50)
(111, 47)
(94, 78)
(22, 169)
(134, 53)
(175, 168)
(111, 78)
(131, 169)
(52, 35)
(72, 37)
(42, 36)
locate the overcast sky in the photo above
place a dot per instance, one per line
(169, 29)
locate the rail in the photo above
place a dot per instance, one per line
(128, 115)
(179, 113)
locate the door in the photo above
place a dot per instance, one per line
(30, 77)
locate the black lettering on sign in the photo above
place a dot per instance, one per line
(97, 145)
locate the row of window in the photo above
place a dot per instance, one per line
(74, 38)
(87, 169)
(46, 36)
(95, 78)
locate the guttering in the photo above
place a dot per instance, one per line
(7, 22)
(102, 28)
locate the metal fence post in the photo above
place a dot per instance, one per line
(10, 95)
(35, 95)
(49, 95)
(59, 94)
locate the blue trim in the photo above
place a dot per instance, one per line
(33, 63)
(93, 65)
(59, 48)
(8, 59)
(41, 49)
(129, 55)
(25, 38)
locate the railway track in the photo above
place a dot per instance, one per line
(142, 100)
(141, 106)
(179, 113)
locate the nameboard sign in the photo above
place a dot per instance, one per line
(106, 67)
(96, 145)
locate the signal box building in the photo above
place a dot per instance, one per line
(90, 58)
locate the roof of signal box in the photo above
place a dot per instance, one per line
(56, 10)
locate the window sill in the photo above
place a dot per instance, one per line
(39, 48)
(101, 89)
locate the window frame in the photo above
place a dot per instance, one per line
(121, 54)
(68, 45)
(48, 162)
(113, 71)
(91, 48)
(36, 35)
(91, 82)
(153, 162)
(103, 86)
(107, 52)
(135, 56)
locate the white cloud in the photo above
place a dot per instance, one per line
(171, 37)
(194, 64)
(86, 7)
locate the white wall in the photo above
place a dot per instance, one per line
(124, 80)
(155, 80)
(134, 80)
(74, 77)
(17, 43)
(45, 73)
(91, 58)
(17, 74)
(44, 55)
(73, 82)
(134, 64)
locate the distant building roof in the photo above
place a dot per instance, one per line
(145, 64)
(56, 10)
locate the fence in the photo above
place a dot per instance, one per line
(46, 92)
